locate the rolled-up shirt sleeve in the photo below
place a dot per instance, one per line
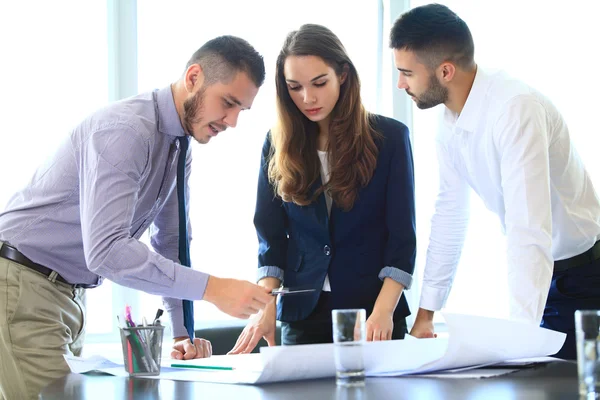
(270, 221)
(400, 250)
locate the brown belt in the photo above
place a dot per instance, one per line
(11, 253)
(576, 261)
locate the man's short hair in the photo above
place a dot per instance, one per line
(222, 57)
(435, 34)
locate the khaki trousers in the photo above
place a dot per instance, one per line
(40, 320)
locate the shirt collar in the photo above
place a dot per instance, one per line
(168, 119)
(470, 115)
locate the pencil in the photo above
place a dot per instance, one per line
(202, 367)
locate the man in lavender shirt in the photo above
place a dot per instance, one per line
(79, 220)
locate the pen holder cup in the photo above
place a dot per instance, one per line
(142, 348)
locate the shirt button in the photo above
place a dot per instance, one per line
(327, 250)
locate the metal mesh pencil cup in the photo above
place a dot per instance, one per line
(142, 348)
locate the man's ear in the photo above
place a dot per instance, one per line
(447, 70)
(194, 77)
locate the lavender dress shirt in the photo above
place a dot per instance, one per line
(111, 179)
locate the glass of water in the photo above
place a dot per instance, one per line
(349, 334)
(587, 331)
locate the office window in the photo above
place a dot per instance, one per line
(551, 46)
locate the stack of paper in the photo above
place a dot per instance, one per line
(472, 341)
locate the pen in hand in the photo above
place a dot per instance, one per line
(286, 291)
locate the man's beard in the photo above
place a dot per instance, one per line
(434, 95)
(192, 111)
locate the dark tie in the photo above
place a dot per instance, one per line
(184, 245)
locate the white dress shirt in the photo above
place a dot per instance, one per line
(328, 200)
(512, 147)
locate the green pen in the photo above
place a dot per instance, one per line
(214, 367)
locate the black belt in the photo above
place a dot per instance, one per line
(10, 253)
(587, 257)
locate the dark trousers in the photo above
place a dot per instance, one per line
(574, 289)
(317, 327)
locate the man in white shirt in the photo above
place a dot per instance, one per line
(509, 144)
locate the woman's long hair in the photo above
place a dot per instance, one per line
(294, 165)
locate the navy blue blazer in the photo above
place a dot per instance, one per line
(352, 247)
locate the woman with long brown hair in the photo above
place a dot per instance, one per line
(335, 204)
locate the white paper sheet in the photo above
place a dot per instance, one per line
(472, 342)
(247, 368)
(483, 341)
(234, 376)
(397, 356)
(81, 365)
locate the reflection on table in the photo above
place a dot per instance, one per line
(546, 382)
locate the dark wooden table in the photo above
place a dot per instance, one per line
(544, 382)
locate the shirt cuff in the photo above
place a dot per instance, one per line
(270, 271)
(189, 284)
(175, 310)
(400, 276)
(433, 298)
